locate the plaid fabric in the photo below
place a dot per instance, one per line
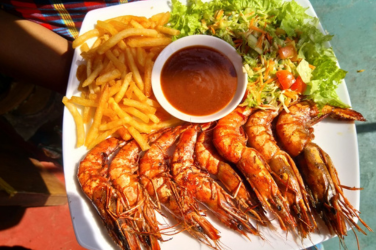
(63, 17)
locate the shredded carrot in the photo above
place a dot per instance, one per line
(212, 30)
(260, 40)
(219, 14)
(257, 29)
(251, 23)
(256, 68)
(238, 40)
(312, 67)
(290, 93)
(270, 80)
(269, 68)
(262, 85)
(269, 37)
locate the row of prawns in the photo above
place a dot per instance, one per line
(127, 185)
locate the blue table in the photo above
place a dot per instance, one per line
(353, 24)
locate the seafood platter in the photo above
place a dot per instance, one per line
(277, 170)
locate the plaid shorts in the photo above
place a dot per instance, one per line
(62, 17)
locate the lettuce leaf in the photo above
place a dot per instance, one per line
(198, 17)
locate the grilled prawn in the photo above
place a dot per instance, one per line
(156, 179)
(209, 160)
(296, 133)
(228, 138)
(92, 176)
(284, 170)
(139, 210)
(200, 186)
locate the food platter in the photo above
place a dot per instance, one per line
(338, 139)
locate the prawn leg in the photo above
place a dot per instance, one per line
(156, 179)
(282, 167)
(140, 211)
(92, 176)
(208, 159)
(294, 129)
(229, 140)
(201, 187)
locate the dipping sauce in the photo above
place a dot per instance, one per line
(198, 80)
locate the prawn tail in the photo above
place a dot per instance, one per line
(346, 114)
(348, 210)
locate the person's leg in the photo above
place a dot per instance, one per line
(31, 53)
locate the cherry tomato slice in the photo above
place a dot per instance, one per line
(287, 52)
(285, 78)
(299, 86)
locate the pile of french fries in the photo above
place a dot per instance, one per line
(115, 80)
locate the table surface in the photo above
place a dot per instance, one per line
(353, 24)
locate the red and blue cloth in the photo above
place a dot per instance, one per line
(62, 17)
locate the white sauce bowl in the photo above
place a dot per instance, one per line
(207, 41)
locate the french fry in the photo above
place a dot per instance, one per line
(157, 17)
(138, 93)
(84, 37)
(129, 92)
(81, 72)
(83, 101)
(84, 47)
(154, 52)
(86, 114)
(122, 58)
(115, 51)
(164, 18)
(115, 88)
(110, 113)
(152, 103)
(166, 124)
(124, 133)
(118, 64)
(107, 26)
(142, 127)
(101, 137)
(93, 131)
(148, 41)
(127, 79)
(139, 105)
(139, 19)
(118, 76)
(135, 24)
(153, 118)
(114, 124)
(141, 55)
(109, 66)
(112, 75)
(136, 113)
(93, 50)
(89, 65)
(132, 65)
(147, 76)
(93, 75)
(142, 142)
(124, 34)
(118, 25)
(168, 31)
(80, 131)
(146, 24)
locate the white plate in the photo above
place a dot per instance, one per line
(338, 139)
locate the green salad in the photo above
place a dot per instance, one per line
(284, 53)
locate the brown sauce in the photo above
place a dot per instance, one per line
(198, 80)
